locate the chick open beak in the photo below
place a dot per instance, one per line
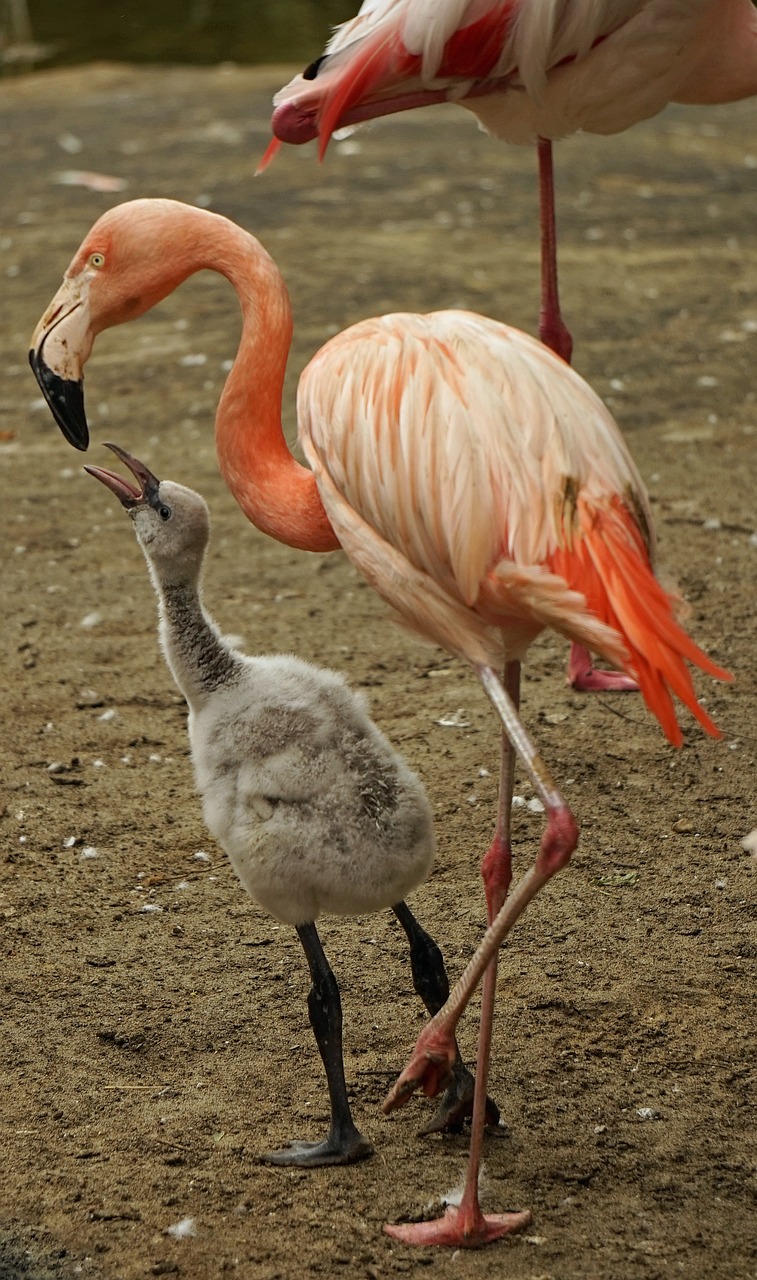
(128, 494)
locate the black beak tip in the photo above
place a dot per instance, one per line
(66, 400)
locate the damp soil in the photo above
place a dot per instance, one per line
(155, 1037)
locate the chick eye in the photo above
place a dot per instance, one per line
(164, 512)
(97, 260)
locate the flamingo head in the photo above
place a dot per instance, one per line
(171, 522)
(127, 263)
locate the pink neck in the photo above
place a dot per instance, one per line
(275, 491)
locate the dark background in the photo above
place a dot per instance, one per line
(173, 31)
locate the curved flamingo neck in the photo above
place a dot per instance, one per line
(276, 492)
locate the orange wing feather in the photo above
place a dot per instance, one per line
(609, 565)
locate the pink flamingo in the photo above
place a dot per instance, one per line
(530, 71)
(473, 478)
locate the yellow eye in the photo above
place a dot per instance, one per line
(97, 260)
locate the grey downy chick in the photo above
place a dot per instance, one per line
(314, 808)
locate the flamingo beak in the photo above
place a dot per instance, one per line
(129, 495)
(60, 346)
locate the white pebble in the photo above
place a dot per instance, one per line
(202, 856)
(518, 802)
(110, 714)
(69, 842)
(150, 908)
(89, 852)
(182, 1230)
(91, 619)
(69, 143)
(455, 721)
(647, 1113)
(750, 842)
(189, 361)
(535, 805)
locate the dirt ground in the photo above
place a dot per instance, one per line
(155, 1035)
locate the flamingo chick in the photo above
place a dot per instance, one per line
(529, 70)
(314, 808)
(473, 478)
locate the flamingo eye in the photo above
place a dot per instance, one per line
(164, 512)
(97, 260)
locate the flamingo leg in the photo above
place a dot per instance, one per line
(344, 1144)
(554, 333)
(432, 985)
(466, 1225)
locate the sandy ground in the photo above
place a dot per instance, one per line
(150, 1056)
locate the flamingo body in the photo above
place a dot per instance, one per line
(527, 68)
(464, 466)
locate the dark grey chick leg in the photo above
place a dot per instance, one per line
(344, 1144)
(432, 984)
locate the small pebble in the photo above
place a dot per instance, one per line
(183, 1229)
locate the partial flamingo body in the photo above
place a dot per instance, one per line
(526, 68)
(472, 476)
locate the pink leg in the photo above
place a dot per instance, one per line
(466, 1225)
(553, 331)
(496, 867)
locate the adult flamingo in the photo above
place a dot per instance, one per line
(472, 477)
(531, 70)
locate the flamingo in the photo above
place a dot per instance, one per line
(314, 808)
(472, 477)
(531, 71)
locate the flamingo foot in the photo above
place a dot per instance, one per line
(586, 678)
(460, 1229)
(456, 1105)
(313, 1155)
(431, 1068)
